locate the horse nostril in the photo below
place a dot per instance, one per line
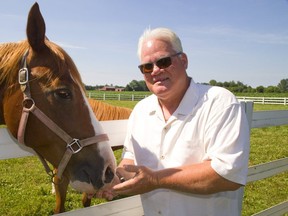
(109, 175)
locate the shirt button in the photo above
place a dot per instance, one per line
(167, 127)
(162, 157)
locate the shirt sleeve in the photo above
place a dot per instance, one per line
(128, 152)
(228, 143)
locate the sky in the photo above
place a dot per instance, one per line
(225, 40)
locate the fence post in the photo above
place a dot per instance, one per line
(104, 97)
(249, 112)
(119, 97)
(132, 97)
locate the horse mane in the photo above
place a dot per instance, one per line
(10, 58)
(104, 111)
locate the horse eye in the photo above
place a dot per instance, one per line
(63, 94)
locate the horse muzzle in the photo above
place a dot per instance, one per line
(93, 169)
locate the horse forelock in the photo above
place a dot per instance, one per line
(63, 63)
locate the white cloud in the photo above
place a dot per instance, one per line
(257, 37)
(69, 46)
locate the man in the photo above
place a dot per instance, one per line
(187, 145)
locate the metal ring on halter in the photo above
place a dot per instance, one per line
(23, 76)
(28, 104)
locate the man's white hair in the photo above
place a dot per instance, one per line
(164, 34)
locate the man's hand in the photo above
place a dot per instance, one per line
(142, 180)
(107, 192)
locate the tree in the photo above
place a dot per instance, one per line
(226, 85)
(142, 83)
(272, 89)
(283, 85)
(260, 89)
(213, 82)
(128, 88)
(135, 85)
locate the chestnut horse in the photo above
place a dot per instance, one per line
(104, 111)
(43, 104)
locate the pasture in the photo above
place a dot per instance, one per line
(25, 188)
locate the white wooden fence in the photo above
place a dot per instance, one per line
(112, 96)
(132, 205)
(266, 100)
(137, 97)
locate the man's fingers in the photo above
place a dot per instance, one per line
(108, 196)
(131, 168)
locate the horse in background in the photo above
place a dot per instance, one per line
(104, 111)
(44, 106)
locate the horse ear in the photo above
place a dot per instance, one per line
(36, 29)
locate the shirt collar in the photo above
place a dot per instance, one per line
(189, 100)
(186, 105)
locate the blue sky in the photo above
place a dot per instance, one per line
(225, 40)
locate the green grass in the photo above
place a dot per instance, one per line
(128, 104)
(267, 144)
(261, 107)
(25, 188)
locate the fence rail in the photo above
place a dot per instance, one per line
(112, 96)
(266, 100)
(132, 205)
(137, 97)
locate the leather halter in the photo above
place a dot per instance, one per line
(74, 145)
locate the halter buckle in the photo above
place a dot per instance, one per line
(23, 76)
(75, 146)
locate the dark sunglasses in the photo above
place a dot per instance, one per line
(161, 63)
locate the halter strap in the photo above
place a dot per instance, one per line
(23, 78)
(73, 145)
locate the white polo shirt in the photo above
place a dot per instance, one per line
(209, 124)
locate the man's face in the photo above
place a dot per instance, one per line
(167, 81)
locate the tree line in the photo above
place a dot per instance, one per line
(235, 87)
(239, 87)
(134, 85)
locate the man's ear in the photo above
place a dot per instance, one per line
(184, 59)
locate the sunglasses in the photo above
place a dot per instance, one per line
(161, 63)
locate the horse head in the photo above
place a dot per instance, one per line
(55, 90)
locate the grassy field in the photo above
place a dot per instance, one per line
(25, 189)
